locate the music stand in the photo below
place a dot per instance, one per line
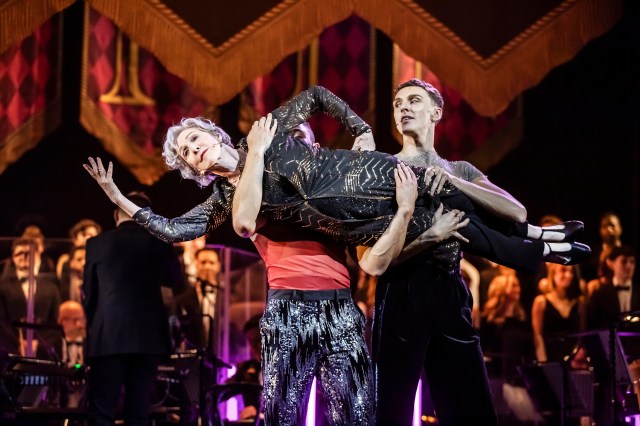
(597, 343)
(609, 364)
(554, 389)
(209, 361)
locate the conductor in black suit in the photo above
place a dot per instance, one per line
(127, 326)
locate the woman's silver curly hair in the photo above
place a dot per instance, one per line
(172, 156)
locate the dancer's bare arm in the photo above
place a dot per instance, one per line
(376, 259)
(482, 191)
(248, 197)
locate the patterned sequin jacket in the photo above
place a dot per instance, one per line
(348, 195)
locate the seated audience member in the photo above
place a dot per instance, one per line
(14, 289)
(611, 296)
(188, 256)
(79, 234)
(43, 263)
(530, 282)
(197, 305)
(74, 326)
(617, 294)
(556, 314)
(487, 275)
(71, 282)
(594, 267)
(71, 348)
(504, 300)
(505, 332)
(544, 285)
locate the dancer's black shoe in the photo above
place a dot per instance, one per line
(576, 254)
(570, 230)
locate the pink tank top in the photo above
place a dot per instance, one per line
(296, 260)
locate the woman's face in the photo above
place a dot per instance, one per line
(199, 149)
(84, 234)
(610, 228)
(512, 289)
(562, 276)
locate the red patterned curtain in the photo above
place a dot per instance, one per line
(29, 91)
(340, 59)
(129, 99)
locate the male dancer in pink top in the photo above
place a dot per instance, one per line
(311, 327)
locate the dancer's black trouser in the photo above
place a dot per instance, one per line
(423, 321)
(493, 238)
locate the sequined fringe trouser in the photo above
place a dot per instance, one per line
(307, 334)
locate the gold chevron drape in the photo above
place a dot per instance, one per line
(19, 18)
(218, 59)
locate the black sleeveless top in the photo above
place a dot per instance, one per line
(556, 328)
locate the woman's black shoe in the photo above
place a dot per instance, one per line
(570, 231)
(576, 255)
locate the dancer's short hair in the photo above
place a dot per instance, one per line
(172, 156)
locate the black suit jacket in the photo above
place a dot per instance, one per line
(13, 307)
(603, 308)
(124, 271)
(187, 306)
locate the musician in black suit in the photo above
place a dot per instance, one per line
(13, 302)
(127, 327)
(196, 305)
(619, 294)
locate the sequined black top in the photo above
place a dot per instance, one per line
(349, 195)
(446, 254)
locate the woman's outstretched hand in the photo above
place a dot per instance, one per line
(103, 177)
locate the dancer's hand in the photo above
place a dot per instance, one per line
(446, 225)
(364, 142)
(261, 134)
(440, 177)
(103, 177)
(406, 187)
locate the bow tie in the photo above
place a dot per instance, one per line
(207, 287)
(623, 288)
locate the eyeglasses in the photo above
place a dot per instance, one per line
(72, 319)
